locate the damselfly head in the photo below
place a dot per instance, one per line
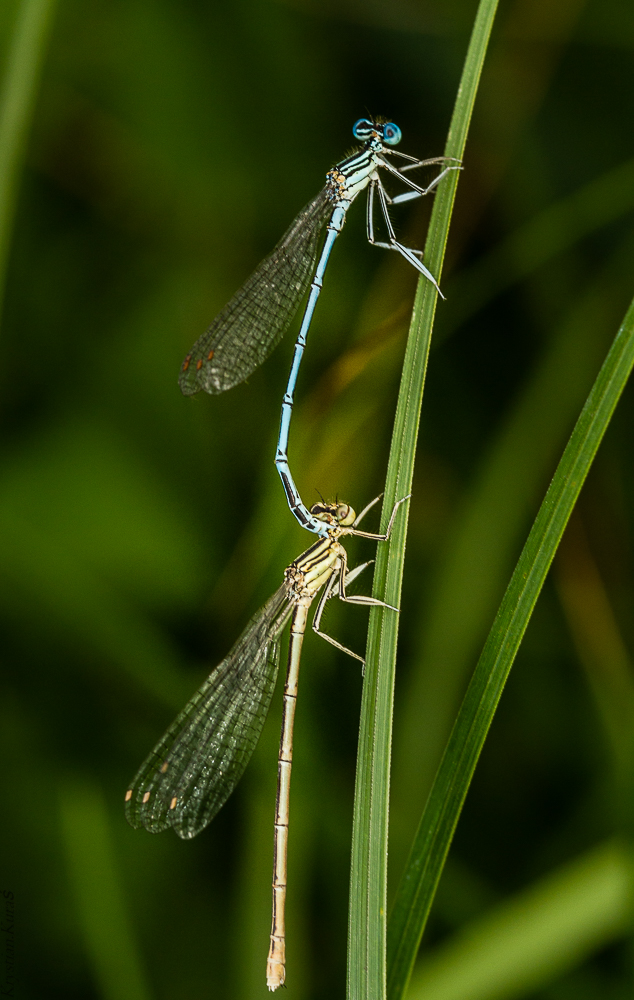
(386, 132)
(340, 514)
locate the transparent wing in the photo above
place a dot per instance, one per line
(254, 321)
(196, 765)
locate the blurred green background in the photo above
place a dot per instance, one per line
(171, 144)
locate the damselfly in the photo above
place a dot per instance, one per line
(253, 322)
(193, 769)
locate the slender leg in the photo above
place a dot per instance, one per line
(416, 189)
(454, 163)
(344, 578)
(409, 255)
(414, 163)
(365, 510)
(369, 213)
(300, 511)
(354, 573)
(356, 598)
(328, 591)
(388, 530)
(275, 966)
(369, 223)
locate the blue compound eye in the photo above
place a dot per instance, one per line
(363, 129)
(391, 134)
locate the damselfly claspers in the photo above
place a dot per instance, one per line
(252, 323)
(194, 768)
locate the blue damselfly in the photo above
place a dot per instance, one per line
(252, 323)
(193, 769)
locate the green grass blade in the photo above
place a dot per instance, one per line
(368, 878)
(487, 534)
(537, 935)
(448, 793)
(17, 101)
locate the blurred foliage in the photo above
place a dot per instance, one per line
(170, 146)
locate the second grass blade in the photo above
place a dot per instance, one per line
(447, 796)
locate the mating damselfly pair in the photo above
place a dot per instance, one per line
(196, 765)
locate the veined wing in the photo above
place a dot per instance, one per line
(196, 765)
(254, 321)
